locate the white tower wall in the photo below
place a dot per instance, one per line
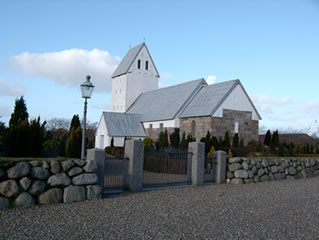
(127, 87)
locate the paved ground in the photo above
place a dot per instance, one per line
(273, 210)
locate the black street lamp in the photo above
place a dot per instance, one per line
(87, 89)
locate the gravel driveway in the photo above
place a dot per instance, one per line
(272, 210)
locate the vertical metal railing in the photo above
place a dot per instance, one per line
(165, 168)
(114, 170)
(210, 170)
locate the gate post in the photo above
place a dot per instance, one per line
(134, 151)
(220, 157)
(198, 162)
(99, 156)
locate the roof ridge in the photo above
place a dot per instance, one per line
(176, 85)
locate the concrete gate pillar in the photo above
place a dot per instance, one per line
(220, 158)
(198, 162)
(134, 151)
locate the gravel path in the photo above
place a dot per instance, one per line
(272, 210)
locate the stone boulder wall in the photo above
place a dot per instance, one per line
(253, 170)
(26, 183)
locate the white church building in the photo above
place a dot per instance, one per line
(140, 108)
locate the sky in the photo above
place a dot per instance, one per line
(48, 47)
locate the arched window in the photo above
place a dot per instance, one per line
(193, 128)
(236, 127)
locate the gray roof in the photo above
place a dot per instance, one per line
(129, 59)
(209, 99)
(124, 124)
(166, 103)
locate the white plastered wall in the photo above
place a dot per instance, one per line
(101, 137)
(140, 80)
(166, 124)
(119, 88)
(237, 100)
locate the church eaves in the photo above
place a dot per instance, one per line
(123, 124)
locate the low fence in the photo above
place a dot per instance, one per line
(210, 170)
(166, 168)
(115, 169)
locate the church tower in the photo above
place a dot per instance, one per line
(135, 74)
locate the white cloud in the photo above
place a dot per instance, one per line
(70, 66)
(211, 80)
(287, 113)
(11, 89)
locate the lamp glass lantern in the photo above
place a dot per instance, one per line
(87, 88)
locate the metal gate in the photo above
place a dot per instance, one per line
(166, 168)
(114, 174)
(210, 170)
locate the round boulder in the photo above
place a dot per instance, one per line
(52, 196)
(85, 179)
(74, 194)
(66, 165)
(9, 188)
(19, 170)
(37, 187)
(40, 173)
(24, 200)
(241, 174)
(235, 166)
(75, 171)
(60, 179)
(55, 166)
(25, 183)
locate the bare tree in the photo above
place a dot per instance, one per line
(58, 123)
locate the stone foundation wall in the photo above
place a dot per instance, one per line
(248, 128)
(202, 125)
(154, 134)
(243, 170)
(47, 182)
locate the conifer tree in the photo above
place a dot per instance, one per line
(235, 140)
(174, 138)
(183, 141)
(226, 142)
(214, 142)
(74, 140)
(267, 140)
(36, 137)
(20, 112)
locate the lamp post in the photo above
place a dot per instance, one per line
(87, 90)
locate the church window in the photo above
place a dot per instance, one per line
(139, 64)
(193, 128)
(236, 127)
(161, 127)
(146, 65)
(120, 91)
(115, 91)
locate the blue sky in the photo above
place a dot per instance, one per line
(48, 47)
